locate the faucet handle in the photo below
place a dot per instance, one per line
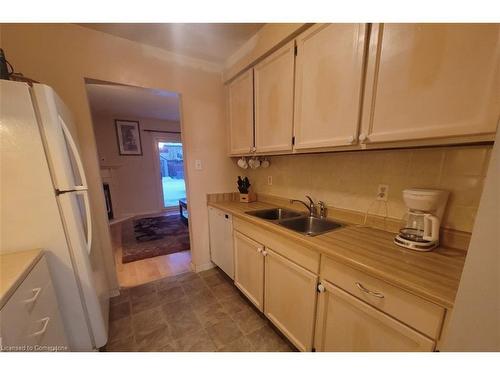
(322, 209)
(310, 199)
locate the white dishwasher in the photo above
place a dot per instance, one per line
(221, 240)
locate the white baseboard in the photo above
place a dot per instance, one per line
(201, 267)
(135, 214)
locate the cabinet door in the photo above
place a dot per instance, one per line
(290, 299)
(344, 323)
(328, 85)
(274, 101)
(431, 81)
(240, 114)
(249, 268)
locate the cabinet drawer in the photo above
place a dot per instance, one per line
(303, 256)
(31, 316)
(422, 315)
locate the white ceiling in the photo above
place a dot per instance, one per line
(133, 102)
(213, 42)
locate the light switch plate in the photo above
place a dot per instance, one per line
(197, 165)
(269, 180)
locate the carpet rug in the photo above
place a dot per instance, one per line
(153, 236)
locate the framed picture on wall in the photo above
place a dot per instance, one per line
(128, 134)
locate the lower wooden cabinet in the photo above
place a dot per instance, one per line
(290, 299)
(249, 268)
(345, 323)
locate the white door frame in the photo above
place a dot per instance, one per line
(156, 154)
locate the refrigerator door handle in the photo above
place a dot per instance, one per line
(74, 151)
(88, 215)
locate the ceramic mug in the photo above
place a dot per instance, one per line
(242, 163)
(265, 163)
(254, 163)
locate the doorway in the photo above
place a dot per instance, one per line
(150, 239)
(171, 170)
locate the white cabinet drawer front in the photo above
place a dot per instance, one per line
(31, 315)
(410, 309)
(346, 323)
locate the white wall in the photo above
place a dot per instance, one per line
(63, 55)
(475, 319)
(134, 180)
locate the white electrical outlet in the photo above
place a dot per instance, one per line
(383, 192)
(269, 180)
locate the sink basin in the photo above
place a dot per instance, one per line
(275, 214)
(311, 226)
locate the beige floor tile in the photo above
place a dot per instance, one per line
(146, 302)
(184, 324)
(214, 280)
(210, 314)
(193, 286)
(120, 330)
(234, 304)
(170, 295)
(248, 320)
(156, 341)
(173, 308)
(123, 345)
(241, 344)
(198, 341)
(224, 332)
(266, 339)
(201, 298)
(225, 290)
(119, 311)
(148, 321)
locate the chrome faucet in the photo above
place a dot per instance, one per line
(311, 207)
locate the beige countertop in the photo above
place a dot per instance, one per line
(433, 275)
(13, 270)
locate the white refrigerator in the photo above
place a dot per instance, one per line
(44, 204)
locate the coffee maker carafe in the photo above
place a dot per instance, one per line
(421, 223)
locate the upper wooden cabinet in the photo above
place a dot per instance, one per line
(329, 71)
(240, 114)
(431, 81)
(274, 100)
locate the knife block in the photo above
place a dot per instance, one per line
(248, 198)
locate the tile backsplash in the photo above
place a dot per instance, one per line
(350, 179)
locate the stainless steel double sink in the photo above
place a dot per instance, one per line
(297, 221)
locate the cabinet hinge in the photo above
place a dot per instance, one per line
(293, 141)
(295, 49)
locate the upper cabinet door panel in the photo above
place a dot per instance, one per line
(431, 81)
(240, 113)
(274, 100)
(329, 75)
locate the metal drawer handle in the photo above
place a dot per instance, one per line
(36, 293)
(44, 328)
(368, 291)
